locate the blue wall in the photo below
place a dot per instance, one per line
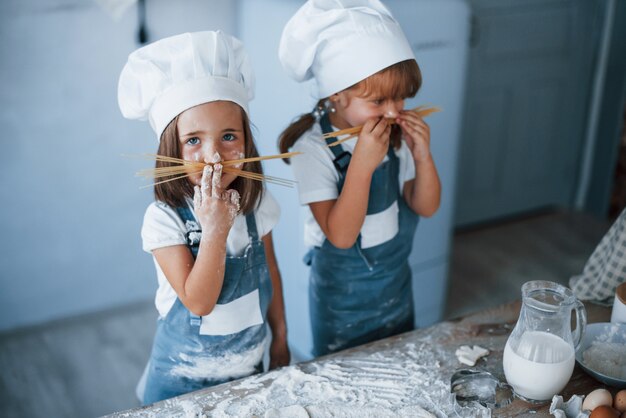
(441, 51)
(71, 207)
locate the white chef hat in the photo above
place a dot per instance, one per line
(341, 42)
(169, 76)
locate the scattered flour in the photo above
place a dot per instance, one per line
(293, 411)
(230, 365)
(607, 358)
(409, 379)
(407, 382)
(191, 410)
(607, 353)
(239, 156)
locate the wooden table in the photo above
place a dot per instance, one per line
(413, 366)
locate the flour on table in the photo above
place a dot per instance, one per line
(341, 411)
(409, 379)
(338, 411)
(406, 382)
(293, 411)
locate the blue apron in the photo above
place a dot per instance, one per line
(178, 344)
(361, 295)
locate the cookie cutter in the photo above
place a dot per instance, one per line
(471, 385)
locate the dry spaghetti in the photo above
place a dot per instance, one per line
(180, 168)
(422, 111)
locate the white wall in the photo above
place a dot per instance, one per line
(71, 208)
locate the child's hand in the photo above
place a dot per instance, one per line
(373, 143)
(416, 133)
(215, 208)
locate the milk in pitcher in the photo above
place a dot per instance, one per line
(540, 367)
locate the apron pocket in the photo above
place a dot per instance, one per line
(234, 316)
(380, 227)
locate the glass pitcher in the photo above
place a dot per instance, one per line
(539, 355)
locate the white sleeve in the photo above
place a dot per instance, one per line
(162, 227)
(314, 170)
(267, 214)
(407, 165)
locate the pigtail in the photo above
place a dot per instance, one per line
(294, 131)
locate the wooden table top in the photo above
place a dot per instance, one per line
(436, 345)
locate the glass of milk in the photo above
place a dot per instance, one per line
(539, 355)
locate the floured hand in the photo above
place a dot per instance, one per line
(215, 208)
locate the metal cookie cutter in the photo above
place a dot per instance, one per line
(470, 385)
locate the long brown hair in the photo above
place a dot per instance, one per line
(400, 80)
(175, 192)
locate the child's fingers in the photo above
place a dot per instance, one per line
(380, 126)
(413, 120)
(197, 197)
(205, 183)
(387, 128)
(383, 130)
(235, 198)
(407, 127)
(216, 182)
(422, 126)
(232, 196)
(415, 129)
(421, 130)
(370, 124)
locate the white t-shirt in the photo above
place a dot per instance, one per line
(317, 181)
(162, 227)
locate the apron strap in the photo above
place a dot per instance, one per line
(252, 230)
(185, 213)
(187, 216)
(342, 157)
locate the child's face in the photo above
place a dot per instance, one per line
(212, 132)
(354, 110)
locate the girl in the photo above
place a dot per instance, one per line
(364, 195)
(210, 234)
